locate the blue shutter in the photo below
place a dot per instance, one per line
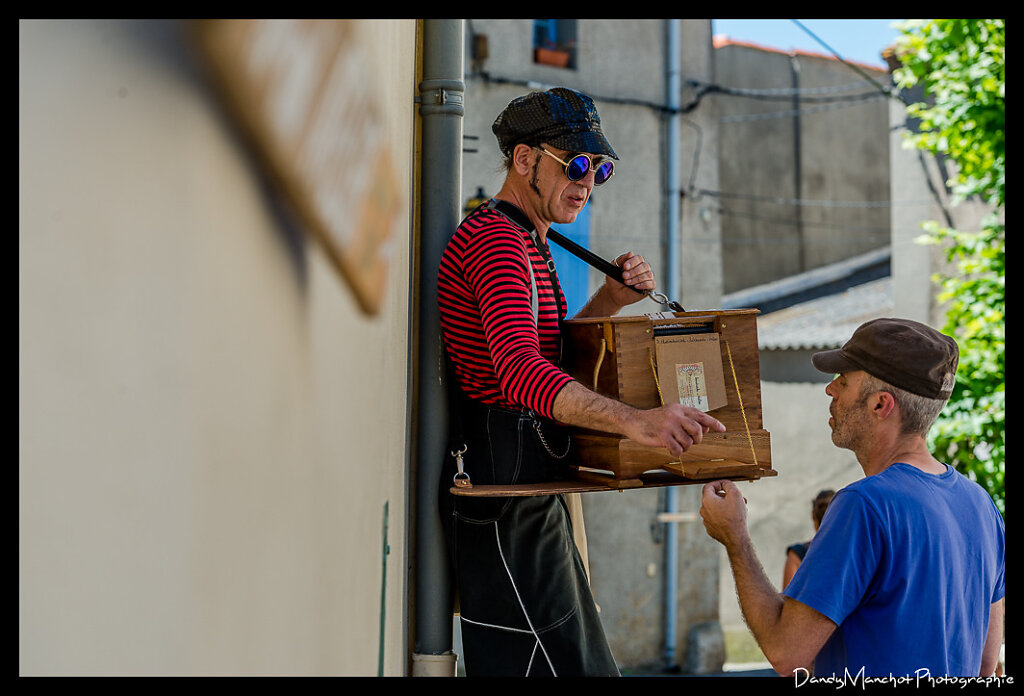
(573, 273)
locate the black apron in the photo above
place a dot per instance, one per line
(526, 608)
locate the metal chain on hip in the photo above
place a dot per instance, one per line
(544, 442)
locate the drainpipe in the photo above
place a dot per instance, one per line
(674, 192)
(794, 63)
(441, 111)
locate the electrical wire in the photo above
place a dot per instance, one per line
(808, 94)
(784, 91)
(888, 91)
(806, 224)
(807, 201)
(704, 89)
(789, 113)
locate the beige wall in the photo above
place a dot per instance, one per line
(209, 428)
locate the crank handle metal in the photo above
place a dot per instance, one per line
(662, 298)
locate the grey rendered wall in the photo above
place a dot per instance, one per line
(803, 184)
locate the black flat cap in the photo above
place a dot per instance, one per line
(562, 117)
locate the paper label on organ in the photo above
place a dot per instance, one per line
(693, 389)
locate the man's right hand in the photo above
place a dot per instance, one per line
(675, 427)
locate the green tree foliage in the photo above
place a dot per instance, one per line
(960, 64)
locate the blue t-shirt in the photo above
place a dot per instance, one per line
(907, 564)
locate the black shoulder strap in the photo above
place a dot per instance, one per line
(517, 216)
(513, 213)
(520, 218)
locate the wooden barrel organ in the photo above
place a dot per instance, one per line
(707, 359)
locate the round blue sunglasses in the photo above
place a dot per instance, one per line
(578, 166)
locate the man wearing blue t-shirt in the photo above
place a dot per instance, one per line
(905, 575)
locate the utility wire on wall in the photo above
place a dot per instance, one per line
(887, 90)
(808, 94)
(822, 203)
(781, 91)
(895, 94)
(787, 93)
(820, 225)
(790, 113)
(824, 98)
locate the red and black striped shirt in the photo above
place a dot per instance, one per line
(484, 293)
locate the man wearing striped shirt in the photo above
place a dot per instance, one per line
(525, 604)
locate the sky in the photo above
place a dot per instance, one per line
(861, 40)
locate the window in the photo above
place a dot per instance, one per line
(554, 42)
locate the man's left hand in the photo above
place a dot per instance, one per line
(637, 278)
